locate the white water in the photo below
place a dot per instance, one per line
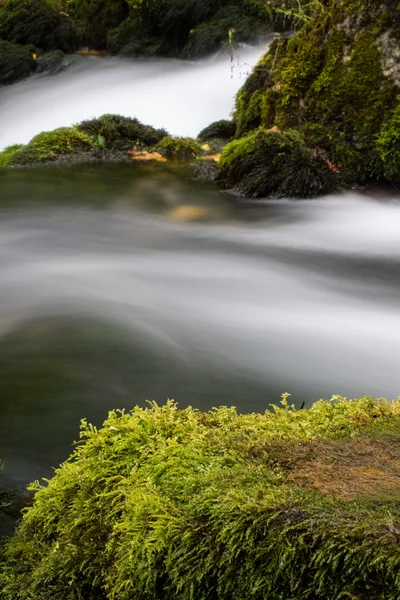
(181, 97)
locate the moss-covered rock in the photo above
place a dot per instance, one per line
(232, 20)
(219, 130)
(177, 504)
(122, 133)
(179, 147)
(7, 155)
(50, 146)
(37, 22)
(16, 62)
(95, 18)
(337, 81)
(272, 163)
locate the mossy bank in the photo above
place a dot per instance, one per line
(167, 503)
(337, 83)
(182, 28)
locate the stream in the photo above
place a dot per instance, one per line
(108, 301)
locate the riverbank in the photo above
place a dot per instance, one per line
(163, 502)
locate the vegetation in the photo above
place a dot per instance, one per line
(16, 62)
(37, 22)
(219, 130)
(122, 133)
(336, 82)
(178, 147)
(167, 503)
(47, 147)
(272, 163)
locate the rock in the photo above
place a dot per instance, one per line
(16, 62)
(37, 22)
(187, 213)
(337, 84)
(181, 148)
(122, 133)
(271, 163)
(219, 130)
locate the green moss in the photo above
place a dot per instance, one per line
(330, 78)
(122, 133)
(271, 163)
(95, 18)
(7, 155)
(37, 22)
(51, 146)
(388, 145)
(16, 62)
(178, 504)
(178, 147)
(219, 130)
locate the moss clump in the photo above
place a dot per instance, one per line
(16, 62)
(95, 18)
(121, 133)
(163, 503)
(52, 145)
(219, 130)
(178, 147)
(337, 77)
(272, 163)
(7, 155)
(37, 22)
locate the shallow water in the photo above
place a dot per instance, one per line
(107, 301)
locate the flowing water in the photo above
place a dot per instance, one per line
(107, 301)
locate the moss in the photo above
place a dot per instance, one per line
(166, 503)
(16, 62)
(270, 163)
(178, 147)
(7, 155)
(122, 133)
(388, 145)
(37, 22)
(335, 76)
(95, 18)
(220, 130)
(51, 146)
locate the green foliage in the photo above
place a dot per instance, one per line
(178, 147)
(271, 163)
(177, 504)
(52, 145)
(388, 145)
(37, 22)
(7, 155)
(219, 130)
(122, 133)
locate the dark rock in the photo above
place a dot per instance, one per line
(219, 130)
(37, 22)
(16, 62)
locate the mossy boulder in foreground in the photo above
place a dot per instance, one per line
(273, 163)
(178, 504)
(338, 82)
